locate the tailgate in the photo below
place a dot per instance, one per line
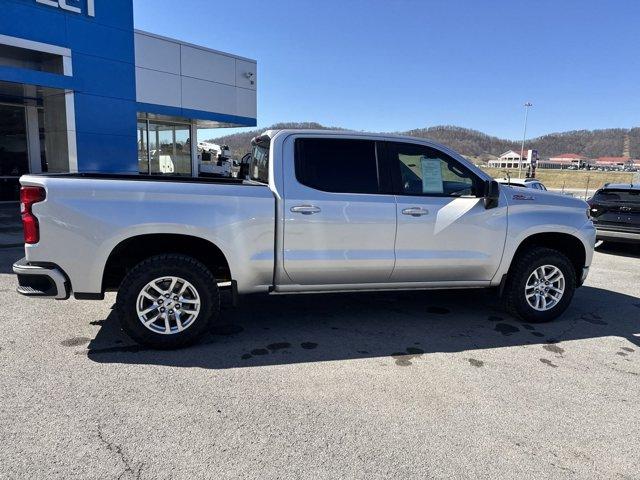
(617, 208)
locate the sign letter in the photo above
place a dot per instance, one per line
(64, 6)
(51, 3)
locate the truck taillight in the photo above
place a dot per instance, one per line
(29, 196)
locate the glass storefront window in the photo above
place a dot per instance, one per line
(56, 144)
(143, 151)
(43, 145)
(14, 159)
(168, 148)
(33, 134)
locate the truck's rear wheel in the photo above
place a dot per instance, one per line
(540, 285)
(168, 301)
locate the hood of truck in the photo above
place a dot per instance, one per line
(529, 196)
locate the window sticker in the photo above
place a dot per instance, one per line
(431, 175)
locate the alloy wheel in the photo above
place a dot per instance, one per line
(168, 305)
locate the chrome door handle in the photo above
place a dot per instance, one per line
(305, 209)
(415, 211)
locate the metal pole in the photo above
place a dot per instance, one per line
(586, 190)
(524, 136)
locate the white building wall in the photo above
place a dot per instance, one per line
(511, 160)
(177, 74)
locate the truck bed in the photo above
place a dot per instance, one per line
(147, 178)
(86, 216)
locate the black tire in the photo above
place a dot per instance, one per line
(515, 301)
(173, 265)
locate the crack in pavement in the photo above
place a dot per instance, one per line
(117, 449)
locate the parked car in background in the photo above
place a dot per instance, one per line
(319, 211)
(615, 211)
(523, 183)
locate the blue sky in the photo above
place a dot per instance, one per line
(392, 65)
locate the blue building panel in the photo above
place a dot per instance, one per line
(43, 79)
(107, 153)
(112, 13)
(103, 77)
(108, 78)
(27, 19)
(92, 38)
(103, 73)
(116, 116)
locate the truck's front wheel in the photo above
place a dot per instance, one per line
(540, 285)
(168, 301)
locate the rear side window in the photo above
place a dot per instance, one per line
(337, 165)
(622, 196)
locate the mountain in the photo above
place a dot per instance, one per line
(612, 142)
(240, 143)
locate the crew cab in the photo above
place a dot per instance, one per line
(318, 211)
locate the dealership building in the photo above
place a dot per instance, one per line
(82, 90)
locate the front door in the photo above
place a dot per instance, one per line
(445, 234)
(338, 227)
(14, 156)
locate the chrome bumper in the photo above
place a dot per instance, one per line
(40, 281)
(617, 236)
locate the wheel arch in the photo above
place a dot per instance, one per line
(131, 251)
(565, 243)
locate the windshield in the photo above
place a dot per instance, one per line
(624, 196)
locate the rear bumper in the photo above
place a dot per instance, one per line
(617, 236)
(41, 281)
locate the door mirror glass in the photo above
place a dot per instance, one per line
(491, 194)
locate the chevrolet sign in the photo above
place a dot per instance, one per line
(91, 7)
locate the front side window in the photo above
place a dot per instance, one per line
(337, 165)
(423, 170)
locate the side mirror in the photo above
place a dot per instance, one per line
(491, 194)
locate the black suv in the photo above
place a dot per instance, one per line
(615, 211)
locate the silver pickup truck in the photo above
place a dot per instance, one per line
(318, 211)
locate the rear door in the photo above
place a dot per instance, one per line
(339, 224)
(445, 234)
(617, 207)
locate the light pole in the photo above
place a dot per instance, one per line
(524, 136)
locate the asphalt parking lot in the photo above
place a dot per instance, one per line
(387, 385)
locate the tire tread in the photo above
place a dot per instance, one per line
(520, 267)
(126, 293)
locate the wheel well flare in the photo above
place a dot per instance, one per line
(128, 253)
(564, 243)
